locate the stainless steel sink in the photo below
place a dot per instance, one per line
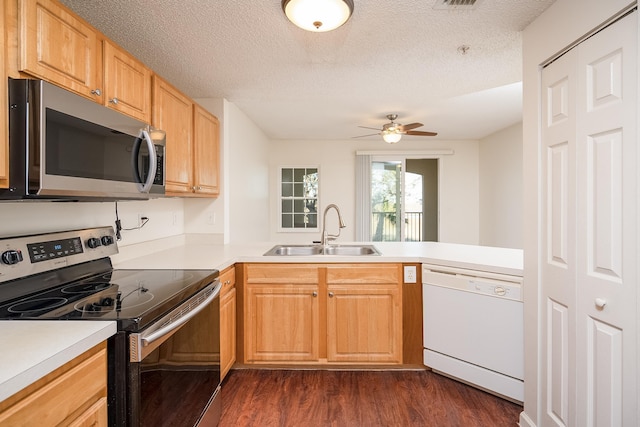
(307, 250)
(348, 250)
(293, 250)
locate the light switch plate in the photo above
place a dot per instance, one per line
(410, 274)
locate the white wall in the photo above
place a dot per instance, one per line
(247, 192)
(563, 23)
(501, 188)
(459, 214)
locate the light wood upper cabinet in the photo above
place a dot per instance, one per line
(227, 321)
(206, 152)
(72, 395)
(57, 46)
(323, 313)
(127, 83)
(173, 113)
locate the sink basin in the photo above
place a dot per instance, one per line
(293, 250)
(306, 250)
(349, 250)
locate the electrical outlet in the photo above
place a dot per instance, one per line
(410, 274)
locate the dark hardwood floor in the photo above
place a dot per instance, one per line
(309, 398)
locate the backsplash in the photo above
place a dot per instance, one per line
(166, 218)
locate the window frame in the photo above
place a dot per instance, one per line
(282, 229)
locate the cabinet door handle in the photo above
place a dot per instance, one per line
(96, 92)
(114, 101)
(331, 294)
(315, 294)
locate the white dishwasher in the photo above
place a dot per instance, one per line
(473, 328)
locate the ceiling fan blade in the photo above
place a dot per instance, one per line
(367, 127)
(362, 136)
(420, 133)
(410, 126)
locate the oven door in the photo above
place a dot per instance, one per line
(174, 369)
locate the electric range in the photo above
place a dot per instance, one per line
(69, 276)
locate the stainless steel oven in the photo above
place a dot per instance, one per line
(164, 361)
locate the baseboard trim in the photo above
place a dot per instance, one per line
(525, 421)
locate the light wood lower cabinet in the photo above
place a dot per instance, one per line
(227, 321)
(74, 395)
(323, 313)
(364, 313)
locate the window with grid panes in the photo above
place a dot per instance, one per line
(299, 198)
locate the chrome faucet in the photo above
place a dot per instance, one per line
(324, 241)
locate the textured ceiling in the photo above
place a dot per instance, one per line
(391, 57)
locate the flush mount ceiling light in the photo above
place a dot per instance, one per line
(318, 15)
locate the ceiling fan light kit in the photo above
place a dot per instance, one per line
(391, 137)
(318, 15)
(392, 132)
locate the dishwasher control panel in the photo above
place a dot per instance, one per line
(480, 282)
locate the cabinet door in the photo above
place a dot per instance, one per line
(127, 83)
(95, 416)
(364, 313)
(282, 323)
(57, 46)
(173, 113)
(364, 324)
(206, 143)
(227, 331)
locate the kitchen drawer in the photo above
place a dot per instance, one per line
(366, 274)
(281, 273)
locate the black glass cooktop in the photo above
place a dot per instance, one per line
(134, 298)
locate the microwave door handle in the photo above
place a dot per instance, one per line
(153, 161)
(184, 318)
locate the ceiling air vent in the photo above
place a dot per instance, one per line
(456, 4)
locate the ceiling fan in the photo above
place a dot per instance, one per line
(392, 132)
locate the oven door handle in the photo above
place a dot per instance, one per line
(183, 314)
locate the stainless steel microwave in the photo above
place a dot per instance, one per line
(64, 146)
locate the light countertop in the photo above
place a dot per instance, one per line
(202, 255)
(32, 349)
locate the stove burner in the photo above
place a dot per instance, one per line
(81, 288)
(37, 304)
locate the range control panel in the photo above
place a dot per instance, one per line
(26, 255)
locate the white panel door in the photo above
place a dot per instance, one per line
(558, 233)
(589, 232)
(607, 197)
